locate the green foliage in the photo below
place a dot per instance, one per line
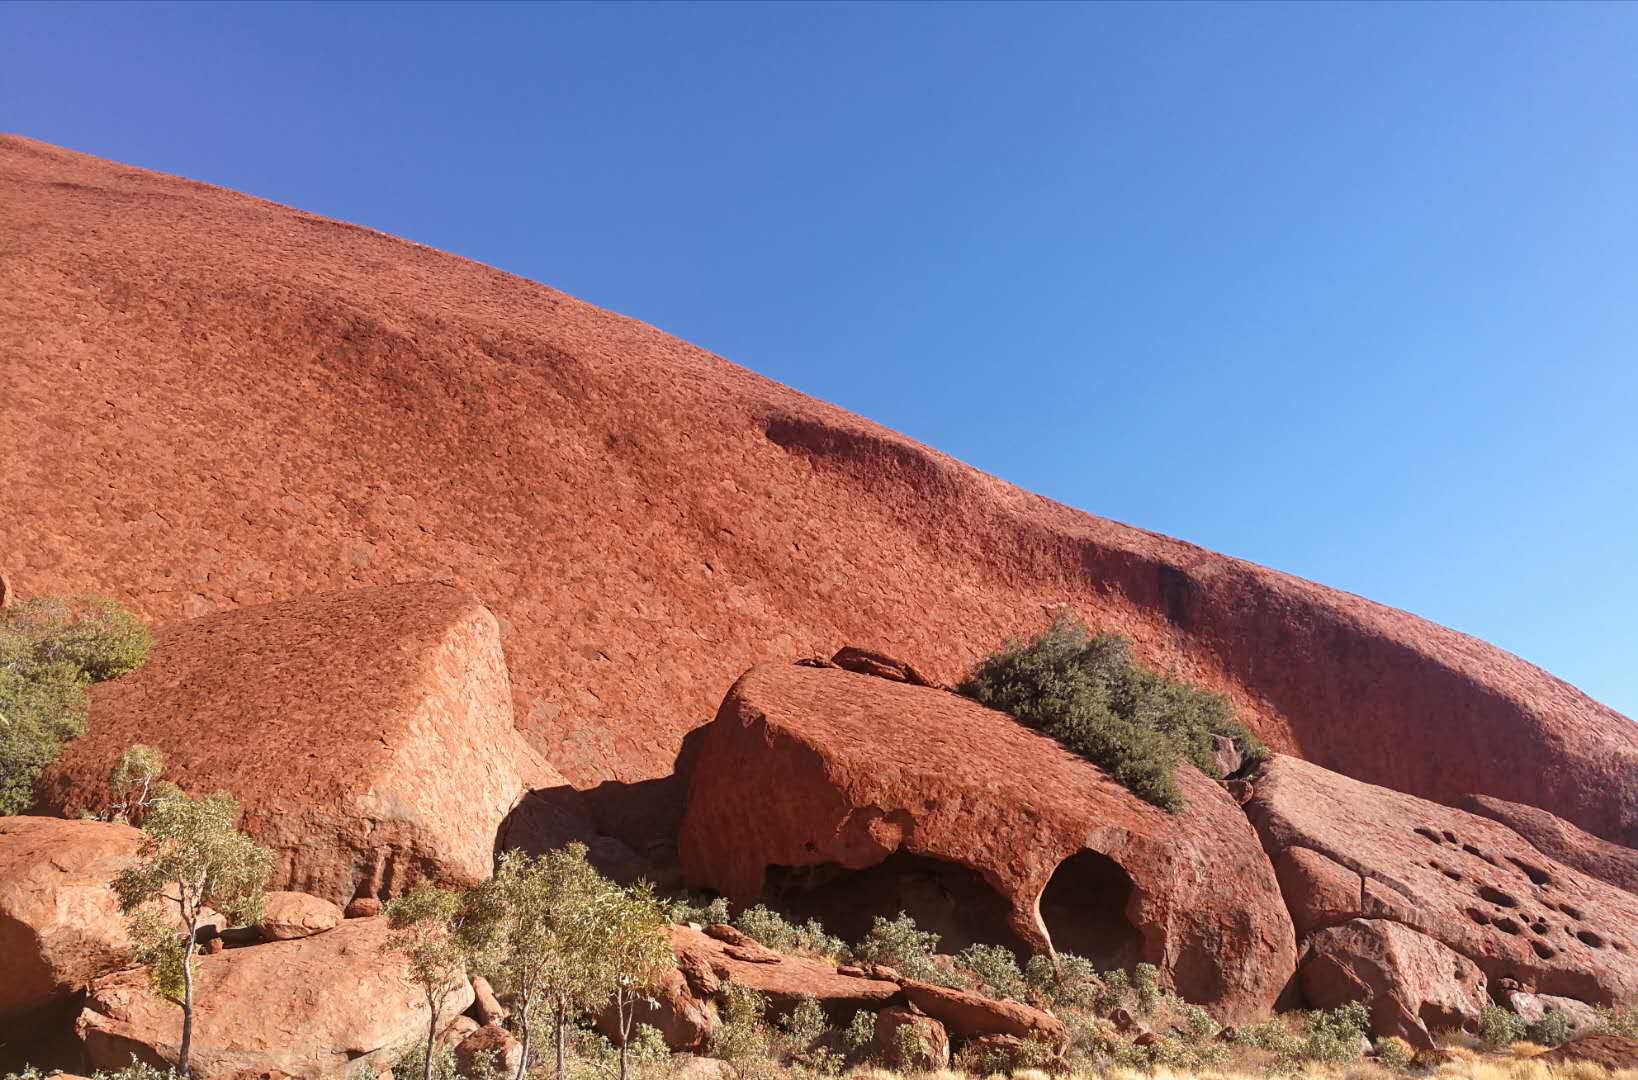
(134, 784)
(695, 909)
(860, 1032)
(1334, 1037)
(136, 1070)
(50, 651)
(193, 855)
(1499, 1027)
(1394, 1053)
(1090, 694)
(1622, 1022)
(425, 928)
(1116, 986)
(1071, 982)
(1146, 987)
(743, 1034)
(805, 1029)
(159, 948)
(775, 931)
(995, 970)
(648, 1045)
(1553, 1029)
(899, 944)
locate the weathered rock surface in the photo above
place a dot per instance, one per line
(966, 1015)
(269, 404)
(1533, 1007)
(882, 666)
(60, 923)
(1414, 986)
(1556, 837)
(810, 776)
(1466, 881)
(1611, 1051)
(786, 981)
(339, 1003)
(685, 1019)
(926, 1049)
(491, 1047)
(287, 916)
(367, 735)
(486, 1007)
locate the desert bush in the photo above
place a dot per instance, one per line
(1334, 1036)
(1146, 988)
(51, 650)
(1395, 1053)
(1622, 1022)
(994, 970)
(776, 932)
(1070, 982)
(860, 1032)
(1088, 692)
(1499, 1027)
(899, 944)
(697, 909)
(743, 1034)
(1553, 1029)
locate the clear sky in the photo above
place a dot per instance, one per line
(1350, 291)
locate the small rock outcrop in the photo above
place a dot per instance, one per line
(910, 1041)
(1610, 1051)
(1346, 850)
(490, 1051)
(367, 735)
(882, 666)
(1556, 837)
(967, 1015)
(810, 776)
(337, 1004)
(287, 916)
(60, 923)
(1413, 985)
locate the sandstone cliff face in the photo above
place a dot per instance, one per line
(367, 735)
(1346, 850)
(843, 795)
(1569, 845)
(267, 404)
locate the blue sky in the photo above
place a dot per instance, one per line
(1350, 291)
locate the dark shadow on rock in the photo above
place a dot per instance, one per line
(629, 828)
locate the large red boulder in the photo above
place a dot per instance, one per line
(268, 404)
(860, 795)
(1553, 835)
(967, 1015)
(340, 1003)
(367, 735)
(1414, 986)
(60, 922)
(1612, 1052)
(1474, 885)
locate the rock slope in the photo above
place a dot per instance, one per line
(214, 402)
(841, 795)
(368, 735)
(1345, 850)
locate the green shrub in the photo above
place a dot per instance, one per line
(1553, 1029)
(1090, 694)
(776, 932)
(1146, 985)
(696, 909)
(1334, 1037)
(994, 969)
(1071, 982)
(901, 945)
(1499, 1027)
(51, 650)
(744, 1034)
(860, 1032)
(1622, 1022)
(1394, 1053)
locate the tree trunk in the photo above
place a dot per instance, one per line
(562, 1020)
(523, 1058)
(187, 997)
(623, 1013)
(432, 1036)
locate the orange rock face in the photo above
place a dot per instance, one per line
(214, 402)
(1569, 845)
(841, 795)
(367, 735)
(60, 923)
(1465, 881)
(335, 1004)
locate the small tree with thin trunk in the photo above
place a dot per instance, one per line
(193, 858)
(427, 925)
(534, 930)
(636, 952)
(134, 784)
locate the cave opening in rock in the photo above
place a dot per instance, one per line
(951, 900)
(1084, 910)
